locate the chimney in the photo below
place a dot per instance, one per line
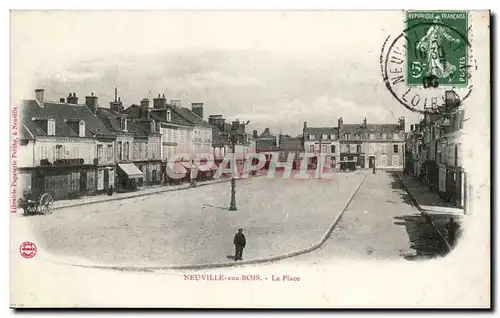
(160, 102)
(91, 102)
(62, 100)
(176, 102)
(144, 109)
(412, 127)
(72, 99)
(364, 123)
(402, 123)
(39, 96)
(116, 105)
(340, 122)
(277, 140)
(255, 134)
(305, 125)
(197, 108)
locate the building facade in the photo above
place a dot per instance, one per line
(373, 145)
(321, 141)
(71, 149)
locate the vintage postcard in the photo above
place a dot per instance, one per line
(250, 159)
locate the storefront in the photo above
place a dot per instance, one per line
(129, 176)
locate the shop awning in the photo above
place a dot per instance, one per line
(131, 170)
(204, 167)
(187, 164)
(177, 168)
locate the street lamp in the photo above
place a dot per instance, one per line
(233, 138)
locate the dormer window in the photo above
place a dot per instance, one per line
(123, 124)
(158, 127)
(81, 129)
(311, 137)
(51, 127)
(152, 126)
(169, 115)
(332, 136)
(323, 136)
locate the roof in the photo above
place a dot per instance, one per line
(373, 128)
(24, 133)
(266, 133)
(60, 112)
(318, 131)
(285, 143)
(290, 143)
(218, 137)
(158, 114)
(190, 116)
(266, 144)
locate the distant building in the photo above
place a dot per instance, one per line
(373, 145)
(321, 140)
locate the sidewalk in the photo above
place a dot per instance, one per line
(436, 211)
(62, 204)
(427, 201)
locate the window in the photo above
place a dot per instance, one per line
(325, 148)
(51, 127)
(395, 148)
(384, 136)
(456, 156)
(345, 158)
(311, 148)
(323, 137)
(383, 160)
(357, 137)
(311, 137)
(372, 136)
(395, 160)
(152, 126)
(356, 158)
(119, 151)
(126, 151)
(100, 153)
(332, 136)
(333, 148)
(59, 152)
(123, 123)
(109, 153)
(358, 148)
(81, 129)
(348, 149)
(169, 115)
(395, 136)
(346, 136)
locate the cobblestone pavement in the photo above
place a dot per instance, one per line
(380, 223)
(195, 226)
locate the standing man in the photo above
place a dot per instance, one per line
(239, 243)
(452, 228)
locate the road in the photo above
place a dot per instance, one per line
(379, 223)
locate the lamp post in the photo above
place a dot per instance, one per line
(233, 139)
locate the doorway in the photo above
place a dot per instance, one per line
(371, 162)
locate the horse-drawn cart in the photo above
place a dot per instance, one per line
(43, 205)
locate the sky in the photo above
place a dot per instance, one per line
(276, 69)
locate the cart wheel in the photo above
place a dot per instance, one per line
(46, 202)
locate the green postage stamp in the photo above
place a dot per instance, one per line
(436, 47)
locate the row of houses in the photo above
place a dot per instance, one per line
(362, 145)
(434, 151)
(71, 149)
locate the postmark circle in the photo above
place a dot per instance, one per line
(28, 249)
(419, 73)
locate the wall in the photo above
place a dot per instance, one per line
(71, 148)
(202, 141)
(25, 155)
(123, 139)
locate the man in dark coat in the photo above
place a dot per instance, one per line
(239, 242)
(453, 228)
